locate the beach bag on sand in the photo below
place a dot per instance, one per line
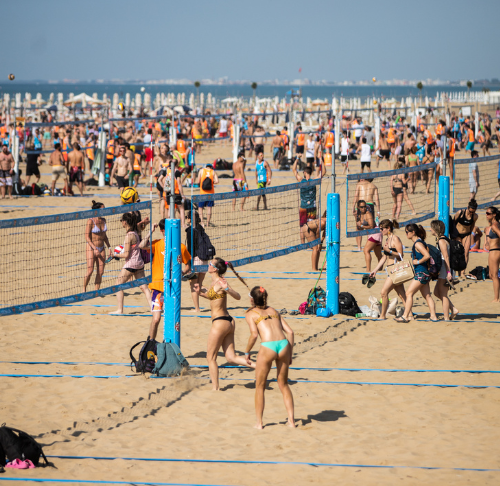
(16, 444)
(147, 356)
(348, 305)
(316, 300)
(171, 361)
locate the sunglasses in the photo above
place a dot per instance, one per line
(488, 213)
(212, 265)
(409, 231)
(362, 207)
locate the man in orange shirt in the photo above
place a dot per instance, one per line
(156, 285)
(470, 138)
(207, 178)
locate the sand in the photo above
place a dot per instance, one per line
(339, 425)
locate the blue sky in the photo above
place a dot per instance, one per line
(257, 40)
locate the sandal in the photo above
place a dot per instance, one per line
(402, 319)
(371, 282)
(283, 311)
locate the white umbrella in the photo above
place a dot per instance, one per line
(230, 100)
(83, 98)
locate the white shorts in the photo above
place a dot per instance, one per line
(58, 171)
(473, 187)
(5, 181)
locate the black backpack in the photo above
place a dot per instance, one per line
(348, 305)
(435, 263)
(16, 444)
(146, 360)
(207, 184)
(205, 249)
(457, 255)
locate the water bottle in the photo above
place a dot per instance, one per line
(361, 315)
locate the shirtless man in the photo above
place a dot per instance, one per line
(76, 168)
(383, 150)
(121, 169)
(240, 180)
(368, 192)
(129, 133)
(277, 147)
(58, 167)
(6, 171)
(259, 140)
(131, 158)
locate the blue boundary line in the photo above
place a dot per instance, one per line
(265, 256)
(273, 380)
(60, 218)
(88, 481)
(388, 173)
(386, 370)
(295, 463)
(44, 304)
(255, 192)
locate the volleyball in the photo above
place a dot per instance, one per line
(374, 102)
(11, 77)
(118, 250)
(129, 195)
(143, 89)
(374, 79)
(121, 107)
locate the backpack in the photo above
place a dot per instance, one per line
(207, 184)
(316, 300)
(205, 250)
(171, 361)
(457, 256)
(146, 360)
(16, 444)
(348, 305)
(435, 262)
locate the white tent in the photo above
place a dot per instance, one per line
(230, 100)
(84, 99)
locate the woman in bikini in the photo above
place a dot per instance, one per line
(223, 325)
(134, 264)
(493, 217)
(393, 251)
(420, 258)
(276, 345)
(397, 182)
(311, 231)
(464, 221)
(412, 161)
(445, 278)
(95, 234)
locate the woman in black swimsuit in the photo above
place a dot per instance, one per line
(493, 217)
(397, 182)
(465, 220)
(223, 325)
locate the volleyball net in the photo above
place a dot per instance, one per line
(475, 178)
(386, 199)
(45, 259)
(257, 225)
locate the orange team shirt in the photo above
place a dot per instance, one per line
(284, 137)
(204, 174)
(329, 141)
(429, 137)
(3, 131)
(439, 129)
(301, 137)
(158, 250)
(181, 148)
(110, 149)
(390, 136)
(471, 135)
(452, 147)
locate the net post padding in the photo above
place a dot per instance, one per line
(424, 208)
(30, 267)
(172, 272)
(238, 236)
(333, 252)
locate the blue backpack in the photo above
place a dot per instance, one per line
(170, 361)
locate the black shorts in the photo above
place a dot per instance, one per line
(75, 175)
(310, 161)
(385, 153)
(32, 169)
(366, 164)
(343, 158)
(358, 139)
(397, 190)
(177, 199)
(121, 181)
(300, 149)
(259, 149)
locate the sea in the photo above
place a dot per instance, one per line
(223, 91)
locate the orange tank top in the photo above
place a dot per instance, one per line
(328, 158)
(137, 162)
(329, 140)
(181, 148)
(204, 174)
(452, 147)
(471, 135)
(390, 136)
(301, 139)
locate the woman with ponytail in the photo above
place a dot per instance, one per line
(420, 259)
(493, 218)
(223, 325)
(266, 322)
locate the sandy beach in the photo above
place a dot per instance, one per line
(347, 420)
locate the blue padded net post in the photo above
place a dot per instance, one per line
(172, 282)
(333, 252)
(444, 203)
